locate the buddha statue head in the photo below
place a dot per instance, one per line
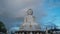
(30, 12)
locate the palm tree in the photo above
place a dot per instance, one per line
(2, 28)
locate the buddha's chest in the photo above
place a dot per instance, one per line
(29, 18)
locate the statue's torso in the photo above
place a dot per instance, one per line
(30, 18)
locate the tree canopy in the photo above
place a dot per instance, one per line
(2, 27)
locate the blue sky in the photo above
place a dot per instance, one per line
(12, 12)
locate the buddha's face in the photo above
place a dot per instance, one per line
(29, 12)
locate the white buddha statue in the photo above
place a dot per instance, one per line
(29, 21)
(29, 18)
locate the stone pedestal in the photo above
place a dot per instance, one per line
(22, 32)
(37, 32)
(30, 32)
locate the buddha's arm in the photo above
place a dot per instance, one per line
(33, 18)
(25, 20)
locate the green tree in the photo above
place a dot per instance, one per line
(2, 27)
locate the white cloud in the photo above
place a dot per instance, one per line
(15, 8)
